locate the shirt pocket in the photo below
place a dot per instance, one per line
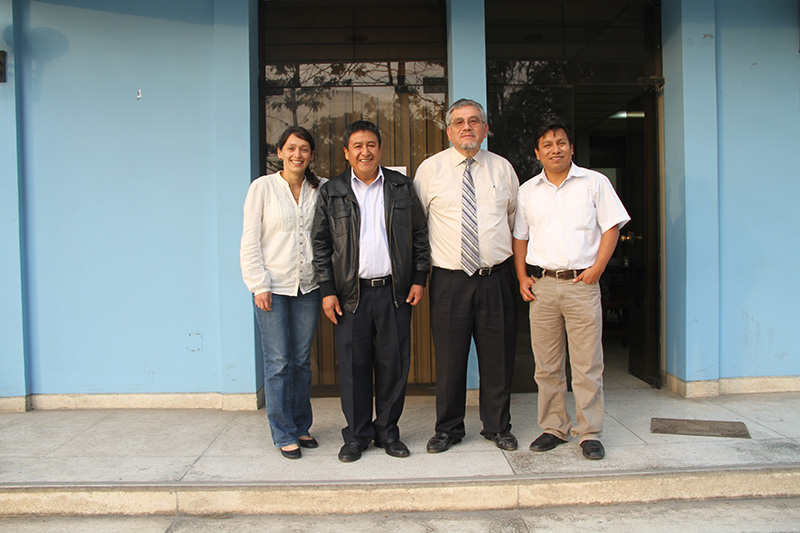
(340, 218)
(582, 216)
(401, 213)
(502, 198)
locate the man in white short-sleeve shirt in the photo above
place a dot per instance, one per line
(567, 226)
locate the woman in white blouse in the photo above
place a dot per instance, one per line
(276, 267)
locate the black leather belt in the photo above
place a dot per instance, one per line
(375, 282)
(565, 273)
(488, 271)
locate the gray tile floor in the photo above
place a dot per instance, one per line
(204, 446)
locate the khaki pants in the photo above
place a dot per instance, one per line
(560, 306)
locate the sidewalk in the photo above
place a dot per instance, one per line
(200, 462)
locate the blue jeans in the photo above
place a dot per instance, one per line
(286, 336)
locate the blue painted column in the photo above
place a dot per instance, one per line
(692, 190)
(466, 50)
(13, 388)
(466, 71)
(236, 70)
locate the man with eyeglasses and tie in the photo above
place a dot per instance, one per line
(470, 196)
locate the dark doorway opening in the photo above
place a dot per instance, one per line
(595, 65)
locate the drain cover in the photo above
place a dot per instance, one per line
(702, 428)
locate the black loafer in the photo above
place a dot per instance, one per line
(394, 447)
(351, 451)
(441, 442)
(308, 443)
(546, 442)
(593, 449)
(504, 441)
(292, 454)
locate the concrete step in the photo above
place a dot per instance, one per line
(471, 494)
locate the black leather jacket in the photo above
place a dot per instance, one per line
(336, 235)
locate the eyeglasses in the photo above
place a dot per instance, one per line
(472, 121)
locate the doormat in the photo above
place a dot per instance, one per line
(701, 428)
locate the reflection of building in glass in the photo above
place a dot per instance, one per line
(575, 62)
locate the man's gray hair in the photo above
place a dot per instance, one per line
(464, 102)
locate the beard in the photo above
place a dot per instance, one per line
(468, 146)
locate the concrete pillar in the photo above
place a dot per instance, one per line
(692, 197)
(466, 70)
(236, 71)
(13, 388)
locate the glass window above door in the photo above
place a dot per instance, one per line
(328, 63)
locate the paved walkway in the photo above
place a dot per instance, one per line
(203, 452)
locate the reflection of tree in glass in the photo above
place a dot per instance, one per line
(517, 107)
(305, 84)
(395, 95)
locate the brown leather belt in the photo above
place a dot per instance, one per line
(566, 273)
(375, 282)
(563, 274)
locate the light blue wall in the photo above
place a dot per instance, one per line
(132, 209)
(758, 68)
(12, 347)
(732, 115)
(466, 68)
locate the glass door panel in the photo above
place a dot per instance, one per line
(406, 100)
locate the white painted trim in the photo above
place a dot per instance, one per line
(762, 384)
(473, 397)
(691, 389)
(225, 402)
(711, 388)
(17, 404)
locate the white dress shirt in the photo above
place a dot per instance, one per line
(563, 225)
(373, 248)
(276, 252)
(438, 185)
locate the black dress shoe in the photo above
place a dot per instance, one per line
(441, 442)
(545, 442)
(292, 454)
(394, 447)
(351, 451)
(504, 441)
(308, 443)
(593, 449)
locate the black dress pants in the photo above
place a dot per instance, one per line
(484, 308)
(373, 341)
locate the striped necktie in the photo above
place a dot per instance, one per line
(470, 254)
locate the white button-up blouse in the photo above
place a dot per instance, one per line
(276, 251)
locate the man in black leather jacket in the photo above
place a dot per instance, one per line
(371, 260)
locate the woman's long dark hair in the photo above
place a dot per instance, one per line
(304, 134)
